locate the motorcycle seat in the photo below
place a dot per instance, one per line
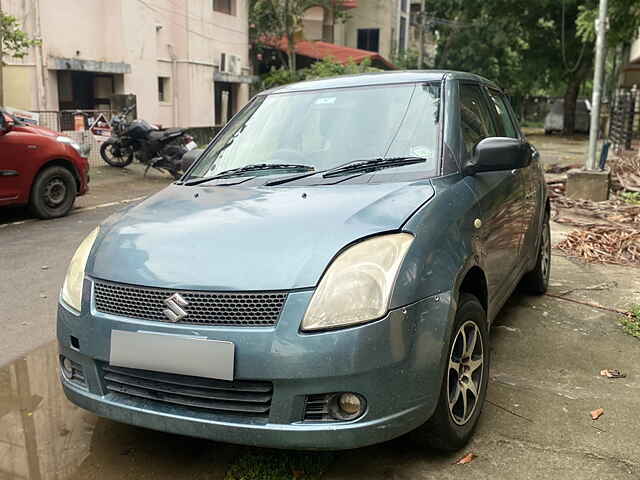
(164, 134)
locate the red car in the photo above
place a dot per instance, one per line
(40, 168)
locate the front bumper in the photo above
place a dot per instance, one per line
(395, 363)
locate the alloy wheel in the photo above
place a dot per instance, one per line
(545, 252)
(464, 376)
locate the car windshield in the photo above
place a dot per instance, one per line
(324, 129)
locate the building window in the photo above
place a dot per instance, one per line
(403, 5)
(163, 89)
(402, 41)
(369, 39)
(225, 6)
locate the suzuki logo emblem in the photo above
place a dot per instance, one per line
(174, 310)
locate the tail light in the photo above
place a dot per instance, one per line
(187, 139)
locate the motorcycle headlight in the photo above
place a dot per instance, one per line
(357, 286)
(72, 286)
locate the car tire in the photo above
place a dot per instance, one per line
(537, 280)
(548, 132)
(450, 428)
(53, 193)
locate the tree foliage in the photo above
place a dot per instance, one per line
(529, 47)
(327, 67)
(13, 43)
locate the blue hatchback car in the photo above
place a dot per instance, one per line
(323, 277)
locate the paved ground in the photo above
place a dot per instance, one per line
(35, 254)
(556, 149)
(546, 356)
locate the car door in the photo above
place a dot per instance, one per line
(532, 177)
(499, 194)
(12, 158)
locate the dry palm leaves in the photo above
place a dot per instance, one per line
(608, 232)
(625, 170)
(603, 244)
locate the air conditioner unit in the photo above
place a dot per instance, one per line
(230, 63)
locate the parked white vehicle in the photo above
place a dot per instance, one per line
(554, 120)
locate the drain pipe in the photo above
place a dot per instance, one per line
(174, 82)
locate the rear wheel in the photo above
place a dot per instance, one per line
(537, 280)
(53, 193)
(115, 155)
(464, 384)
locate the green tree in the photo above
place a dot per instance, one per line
(282, 19)
(13, 43)
(529, 46)
(325, 68)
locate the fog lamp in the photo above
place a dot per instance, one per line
(350, 404)
(67, 366)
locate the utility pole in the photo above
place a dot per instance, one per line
(601, 30)
(591, 183)
(422, 26)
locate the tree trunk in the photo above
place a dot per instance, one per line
(291, 52)
(570, 102)
(574, 81)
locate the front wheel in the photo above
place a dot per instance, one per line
(464, 383)
(115, 155)
(53, 193)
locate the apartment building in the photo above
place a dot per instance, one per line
(186, 61)
(376, 25)
(630, 72)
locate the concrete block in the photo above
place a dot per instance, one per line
(588, 184)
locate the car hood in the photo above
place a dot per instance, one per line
(246, 238)
(38, 130)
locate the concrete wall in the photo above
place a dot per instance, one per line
(634, 54)
(178, 39)
(382, 14)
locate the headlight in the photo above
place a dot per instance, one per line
(69, 141)
(72, 286)
(357, 285)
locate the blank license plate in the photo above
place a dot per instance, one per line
(180, 354)
(191, 145)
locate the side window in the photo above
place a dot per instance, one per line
(475, 118)
(506, 128)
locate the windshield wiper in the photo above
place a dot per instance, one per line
(371, 165)
(234, 172)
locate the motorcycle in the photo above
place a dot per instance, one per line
(161, 149)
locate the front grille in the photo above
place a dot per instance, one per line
(204, 308)
(204, 394)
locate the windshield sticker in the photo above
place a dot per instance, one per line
(326, 101)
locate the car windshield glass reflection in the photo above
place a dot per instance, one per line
(328, 128)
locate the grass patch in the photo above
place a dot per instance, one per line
(631, 197)
(279, 465)
(631, 325)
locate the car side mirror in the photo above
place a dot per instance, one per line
(498, 153)
(6, 124)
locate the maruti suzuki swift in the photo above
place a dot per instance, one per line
(324, 276)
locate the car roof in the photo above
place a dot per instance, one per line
(378, 78)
